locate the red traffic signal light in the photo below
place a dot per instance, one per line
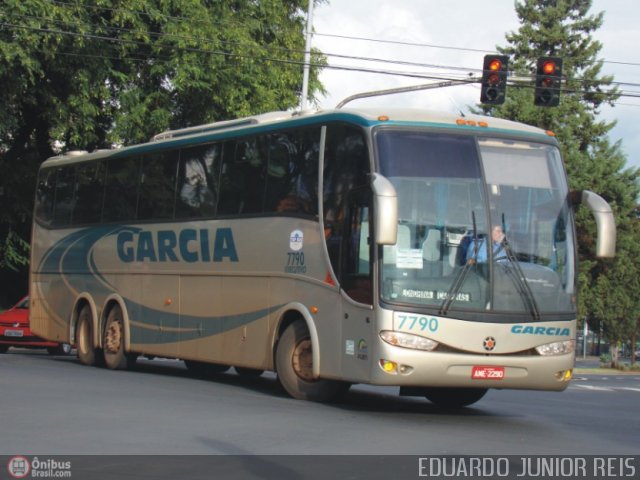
(494, 79)
(548, 80)
(495, 64)
(548, 67)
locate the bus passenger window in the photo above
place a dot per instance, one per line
(89, 193)
(198, 181)
(356, 279)
(292, 172)
(346, 167)
(45, 194)
(121, 190)
(242, 180)
(280, 195)
(158, 186)
(65, 196)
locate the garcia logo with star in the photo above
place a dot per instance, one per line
(489, 344)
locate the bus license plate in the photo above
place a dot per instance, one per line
(13, 333)
(487, 373)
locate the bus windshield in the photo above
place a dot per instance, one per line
(484, 226)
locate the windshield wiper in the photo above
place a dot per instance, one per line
(520, 280)
(462, 273)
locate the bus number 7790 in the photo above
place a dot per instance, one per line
(417, 322)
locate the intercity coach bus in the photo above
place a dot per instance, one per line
(335, 247)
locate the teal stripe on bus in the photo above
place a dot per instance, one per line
(74, 253)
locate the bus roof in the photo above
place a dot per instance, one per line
(366, 117)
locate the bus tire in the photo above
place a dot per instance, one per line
(4, 349)
(454, 397)
(84, 337)
(294, 367)
(115, 356)
(249, 372)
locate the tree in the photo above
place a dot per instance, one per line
(87, 75)
(614, 291)
(563, 28)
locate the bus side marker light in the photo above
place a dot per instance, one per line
(393, 368)
(328, 279)
(388, 366)
(168, 301)
(313, 309)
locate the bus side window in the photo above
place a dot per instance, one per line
(356, 272)
(198, 178)
(45, 195)
(65, 196)
(307, 172)
(242, 180)
(89, 193)
(292, 172)
(279, 196)
(158, 186)
(121, 190)
(346, 167)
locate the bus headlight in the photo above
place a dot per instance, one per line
(408, 340)
(557, 348)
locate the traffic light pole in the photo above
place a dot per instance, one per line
(523, 81)
(391, 91)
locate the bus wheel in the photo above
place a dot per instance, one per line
(204, 369)
(454, 397)
(249, 372)
(84, 337)
(294, 366)
(115, 357)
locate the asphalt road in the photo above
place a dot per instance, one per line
(56, 406)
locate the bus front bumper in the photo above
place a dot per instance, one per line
(411, 368)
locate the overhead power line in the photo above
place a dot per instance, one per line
(422, 75)
(445, 47)
(235, 43)
(344, 37)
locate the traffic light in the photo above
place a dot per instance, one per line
(548, 78)
(494, 79)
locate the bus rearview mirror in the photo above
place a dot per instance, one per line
(385, 210)
(605, 222)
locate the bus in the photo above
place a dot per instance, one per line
(333, 248)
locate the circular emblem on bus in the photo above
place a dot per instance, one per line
(489, 343)
(296, 240)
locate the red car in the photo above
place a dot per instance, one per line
(15, 331)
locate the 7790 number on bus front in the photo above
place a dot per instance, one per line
(416, 323)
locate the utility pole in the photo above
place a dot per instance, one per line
(307, 57)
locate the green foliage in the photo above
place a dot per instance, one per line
(608, 290)
(92, 74)
(14, 252)
(605, 360)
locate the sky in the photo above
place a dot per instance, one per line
(469, 29)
